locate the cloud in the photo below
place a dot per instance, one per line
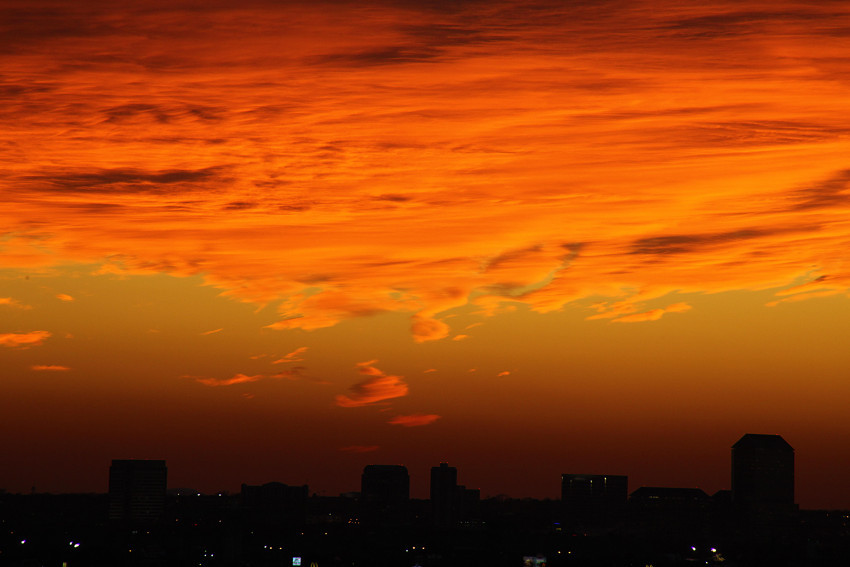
(504, 373)
(414, 420)
(359, 448)
(653, 314)
(295, 373)
(211, 332)
(128, 180)
(429, 370)
(460, 337)
(10, 302)
(378, 388)
(64, 297)
(432, 190)
(237, 379)
(427, 329)
(294, 356)
(23, 340)
(49, 368)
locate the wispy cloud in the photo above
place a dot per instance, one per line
(653, 314)
(49, 368)
(294, 356)
(211, 332)
(23, 340)
(408, 198)
(10, 302)
(64, 297)
(237, 379)
(414, 420)
(379, 387)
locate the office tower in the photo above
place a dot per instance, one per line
(444, 495)
(763, 480)
(385, 484)
(591, 501)
(763, 471)
(137, 490)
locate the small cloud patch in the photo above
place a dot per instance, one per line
(414, 420)
(23, 340)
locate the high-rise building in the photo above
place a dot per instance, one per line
(444, 494)
(763, 475)
(137, 490)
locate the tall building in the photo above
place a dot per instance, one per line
(444, 494)
(763, 475)
(762, 470)
(137, 490)
(451, 502)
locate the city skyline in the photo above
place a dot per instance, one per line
(284, 240)
(762, 474)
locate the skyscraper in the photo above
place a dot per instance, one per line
(763, 485)
(762, 471)
(137, 490)
(444, 494)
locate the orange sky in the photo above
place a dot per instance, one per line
(281, 240)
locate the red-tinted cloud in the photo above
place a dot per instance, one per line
(378, 388)
(294, 356)
(23, 340)
(414, 420)
(237, 379)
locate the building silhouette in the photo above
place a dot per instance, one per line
(451, 503)
(444, 495)
(763, 485)
(763, 472)
(137, 490)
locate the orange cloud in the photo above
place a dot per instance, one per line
(64, 297)
(378, 388)
(654, 314)
(460, 337)
(294, 356)
(13, 303)
(428, 329)
(49, 368)
(237, 379)
(415, 420)
(291, 374)
(23, 340)
(211, 332)
(504, 373)
(448, 188)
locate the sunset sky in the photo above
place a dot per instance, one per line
(278, 241)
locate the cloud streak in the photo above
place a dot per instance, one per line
(414, 420)
(379, 387)
(23, 340)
